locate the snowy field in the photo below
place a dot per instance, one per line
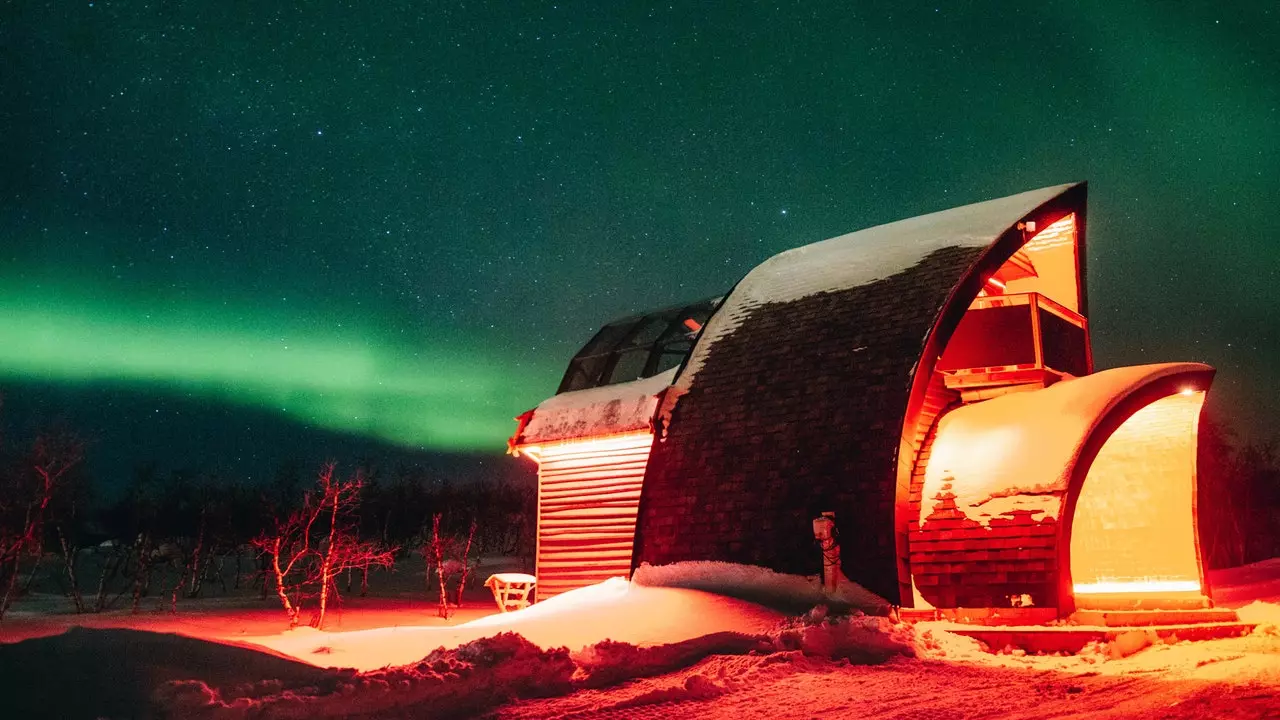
(671, 645)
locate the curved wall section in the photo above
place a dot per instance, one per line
(1003, 480)
(794, 414)
(1134, 529)
(795, 398)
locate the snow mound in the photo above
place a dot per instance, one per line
(483, 674)
(453, 683)
(813, 646)
(112, 673)
(860, 639)
(611, 610)
(1239, 586)
(609, 662)
(934, 643)
(787, 593)
(1265, 614)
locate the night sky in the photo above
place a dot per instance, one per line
(233, 233)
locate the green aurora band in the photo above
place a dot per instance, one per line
(448, 397)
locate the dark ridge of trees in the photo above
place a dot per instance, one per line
(186, 534)
(1237, 498)
(191, 533)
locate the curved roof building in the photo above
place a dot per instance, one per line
(929, 382)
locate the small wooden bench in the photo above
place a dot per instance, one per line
(511, 590)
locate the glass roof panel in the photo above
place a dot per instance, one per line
(639, 346)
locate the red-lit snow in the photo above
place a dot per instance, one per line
(675, 653)
(760, 585)
(613, 610)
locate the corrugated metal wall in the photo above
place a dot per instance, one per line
(588, 495)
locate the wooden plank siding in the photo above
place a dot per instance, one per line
(588, 495)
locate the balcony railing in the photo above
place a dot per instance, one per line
(1003, 338)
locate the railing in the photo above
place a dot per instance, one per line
(1002, 334)
(1035, 299)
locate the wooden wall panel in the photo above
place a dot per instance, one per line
(588, 494)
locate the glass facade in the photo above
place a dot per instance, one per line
(638, 347)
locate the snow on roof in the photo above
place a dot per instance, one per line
(606, 410)
(1017, 451)
(863, 257)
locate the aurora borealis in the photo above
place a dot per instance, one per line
(354, 382)
(397, 221)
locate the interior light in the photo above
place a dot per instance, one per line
(622, 443)
(1116, 587)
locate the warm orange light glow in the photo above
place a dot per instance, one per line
(995, 283)
(1051, 256)
(1188, 392)
(1134, 525)
(1137, 586)
(1058, 234)
(609, 443)
(588, 498)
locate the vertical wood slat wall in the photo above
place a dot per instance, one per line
(588, 496)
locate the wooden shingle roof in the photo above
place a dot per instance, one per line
(794, 399)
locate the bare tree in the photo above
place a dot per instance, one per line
(23, 505)
(309, 549)
(70, 551)
(142, 571)
(437, 554)
(289, 549)
(197, 566)
(466, 562)
(445, 556)
(115, 562)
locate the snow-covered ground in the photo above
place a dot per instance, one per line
(648, 650)
(1236, 587)
(613, 610)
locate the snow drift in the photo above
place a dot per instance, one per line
(706, 649)
(787, 593)
(611, 610)
(663, 605)
(489, 672)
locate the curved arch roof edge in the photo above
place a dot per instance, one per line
(1028, 443)
(863, 257)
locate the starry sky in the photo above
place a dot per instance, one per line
(234, 233)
